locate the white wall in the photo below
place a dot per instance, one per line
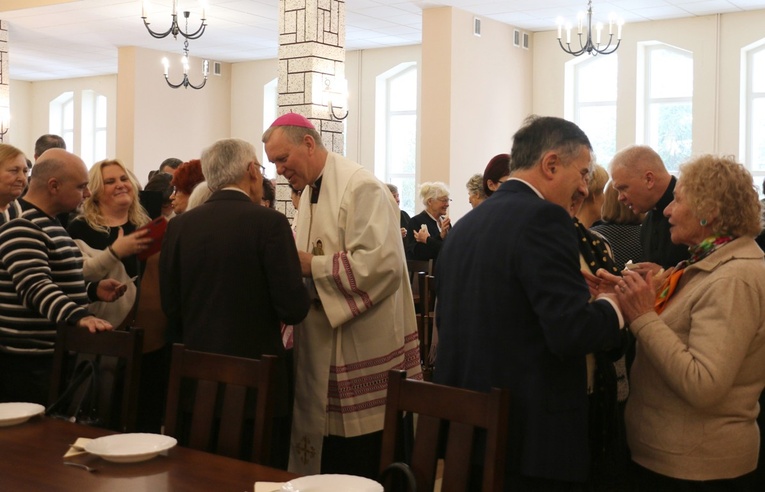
(715, 41)
(476, 91)
(30, 102)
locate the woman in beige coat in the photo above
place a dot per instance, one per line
(700, 363)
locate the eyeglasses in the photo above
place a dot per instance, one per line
(444, 199)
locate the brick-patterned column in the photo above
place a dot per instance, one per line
(311, 54)
(5, 76)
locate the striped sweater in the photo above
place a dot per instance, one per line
(41, 282)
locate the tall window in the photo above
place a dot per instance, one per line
(591, 101)
(81, 120)
(667, 103)
(61, 118)
(753, 110)
(270, 109)
(93, 138)
(396, 137)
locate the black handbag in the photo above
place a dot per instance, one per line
(79, 401)
(398, 477)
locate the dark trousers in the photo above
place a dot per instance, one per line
(352, 455)
(649, 481)
(25, 378)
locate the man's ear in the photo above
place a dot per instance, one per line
(650, 179)
(310, 143)
(53, 186)
(550, 163)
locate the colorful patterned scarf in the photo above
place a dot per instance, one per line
(698, 252)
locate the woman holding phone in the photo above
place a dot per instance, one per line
(428, 229)
(106, 233)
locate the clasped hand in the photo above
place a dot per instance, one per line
(634, 293)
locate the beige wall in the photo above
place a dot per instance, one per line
(30, 102)
(167, 122)
(716, 43)
(476, 91)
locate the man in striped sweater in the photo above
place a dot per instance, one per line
(41, 282)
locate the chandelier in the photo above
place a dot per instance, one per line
(592, 44)
(174, 28)
(186, 83)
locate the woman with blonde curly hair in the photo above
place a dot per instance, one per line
(698, 371)
(105, 232)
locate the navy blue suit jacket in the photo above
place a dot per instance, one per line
(514, 312)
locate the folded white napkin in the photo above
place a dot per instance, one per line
(268, 486)
(77, 447)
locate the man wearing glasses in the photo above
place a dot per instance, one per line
(229, 271)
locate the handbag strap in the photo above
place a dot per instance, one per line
(84, 369)
(399, 468)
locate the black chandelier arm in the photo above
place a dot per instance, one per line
(185, 83)
(175, 28)
(332, 112)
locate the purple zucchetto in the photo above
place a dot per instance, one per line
(293, 119)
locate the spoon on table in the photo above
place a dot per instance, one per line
(80, 465)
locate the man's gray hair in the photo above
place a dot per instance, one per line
(225, 162)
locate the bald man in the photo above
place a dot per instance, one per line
(41, 282)
(645, 186)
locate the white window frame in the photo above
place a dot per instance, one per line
(383, 141)
(645, 99)
(748, 97)
(573, 105)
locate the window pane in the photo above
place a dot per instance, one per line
(402, 142)
(671, 73)
(403, 91)
(101, 111)
(596, 79)
(599, 123)
(757, 135)
(671, 132)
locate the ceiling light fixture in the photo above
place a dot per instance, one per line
(174, 29)
(186, 83)
(589, 46)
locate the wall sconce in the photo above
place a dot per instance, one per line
(174, 29)
(336, 96)
(186, 83)
(5, 121)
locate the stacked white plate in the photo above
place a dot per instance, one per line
(129, 448)
(332, 483)
(16, 413)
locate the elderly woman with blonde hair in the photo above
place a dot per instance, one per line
(428, 229)
(476, 194)
(698, 371)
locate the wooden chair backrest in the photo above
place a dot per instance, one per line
(125, 345)
(219, 403)
(465, 411)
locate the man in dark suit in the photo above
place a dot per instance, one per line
(514, 309)
(229, 269)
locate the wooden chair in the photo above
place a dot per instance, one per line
(218, 412)
(425, 318)
(116, 345)
(465, 411)
(414, 266)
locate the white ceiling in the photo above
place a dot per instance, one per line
(80, 38)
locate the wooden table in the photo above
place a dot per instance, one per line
(31, 456)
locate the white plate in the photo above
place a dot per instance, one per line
(332, 483)
(16, 413)
(129, 448)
